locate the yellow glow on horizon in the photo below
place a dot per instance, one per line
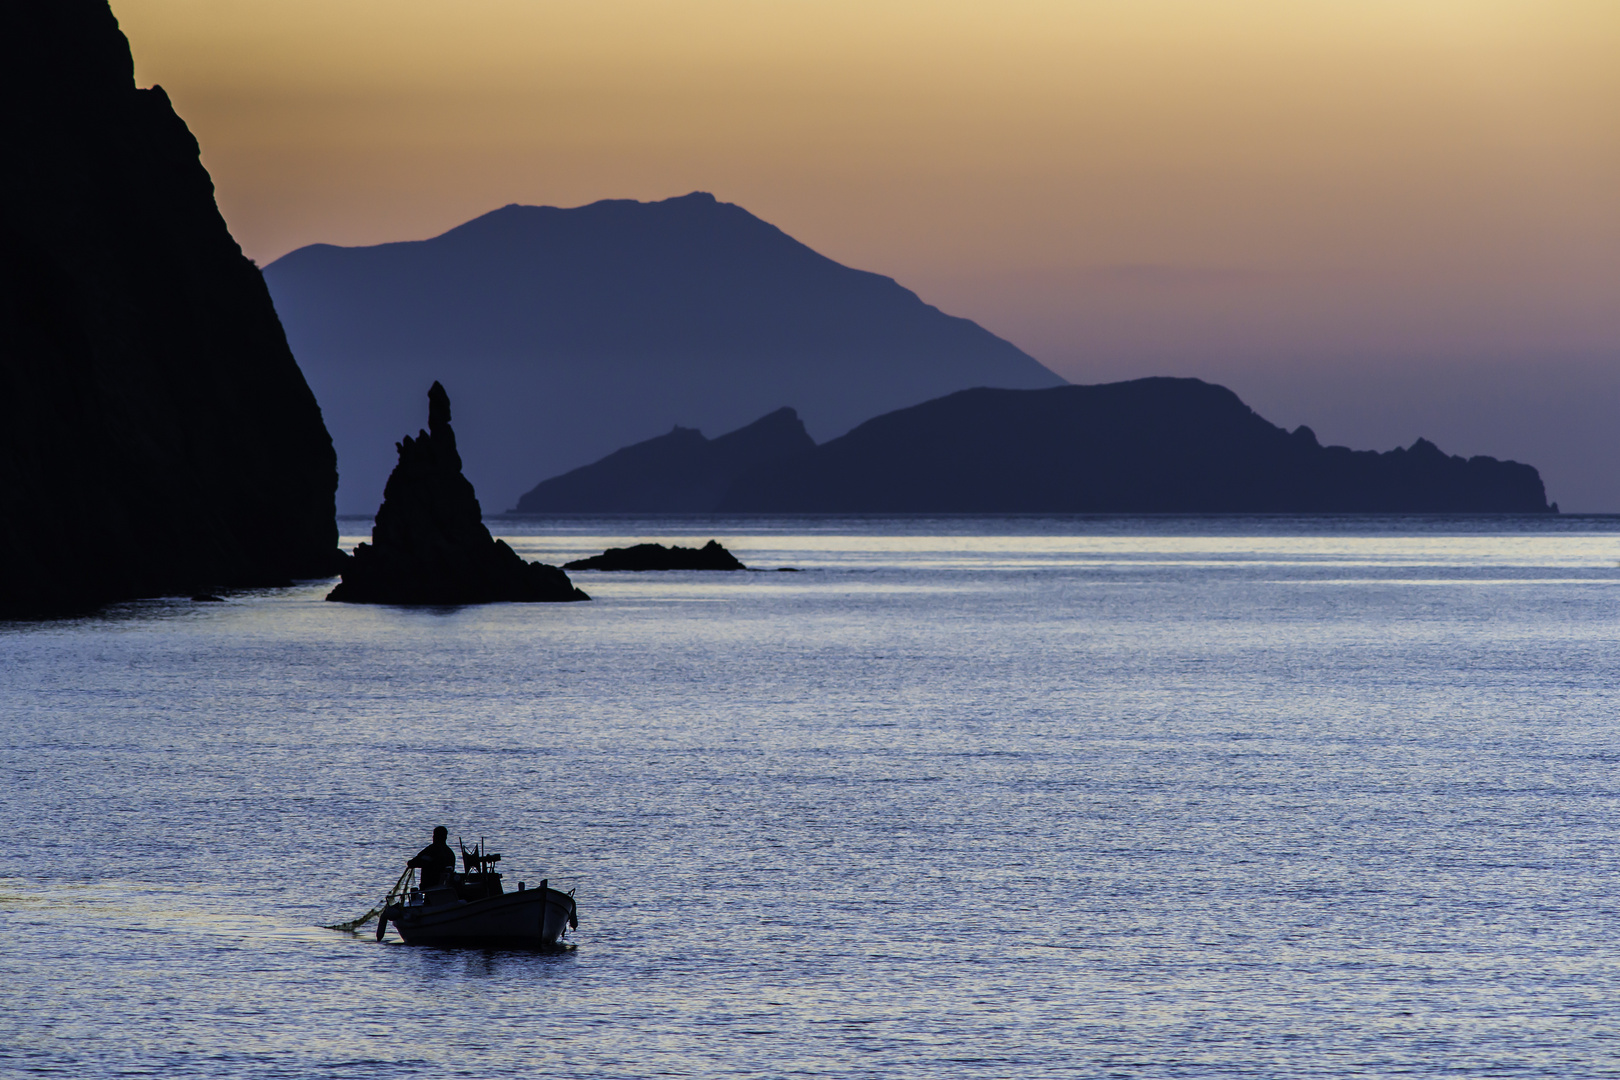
(1371, 173)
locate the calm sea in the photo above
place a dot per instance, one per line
(961, 798)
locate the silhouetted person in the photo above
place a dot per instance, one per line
(436, 861)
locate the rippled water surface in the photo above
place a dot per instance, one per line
(961, 798)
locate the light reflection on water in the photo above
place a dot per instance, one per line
(966, 798)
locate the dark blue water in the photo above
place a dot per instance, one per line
(963, 798)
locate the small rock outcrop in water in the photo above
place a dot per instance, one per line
(429, 544)
(710, 556)
(159, 438)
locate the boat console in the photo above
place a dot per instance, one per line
(477, 881)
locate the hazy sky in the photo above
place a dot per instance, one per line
(1340, 197)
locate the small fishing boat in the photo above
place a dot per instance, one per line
(472, 909)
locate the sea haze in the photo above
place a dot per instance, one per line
(965, 797)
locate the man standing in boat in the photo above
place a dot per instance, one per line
(436, 861)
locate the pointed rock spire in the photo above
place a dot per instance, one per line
(429, 544)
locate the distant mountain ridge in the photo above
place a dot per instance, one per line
(565, 333)
(674, 473)
(1157, 445)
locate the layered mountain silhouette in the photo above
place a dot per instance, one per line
(158, 436)
(1146, 446)
(681, 472)
(566, 333)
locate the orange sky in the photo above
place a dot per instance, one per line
(1117, 186)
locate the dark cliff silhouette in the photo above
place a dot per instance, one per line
(1146, 446)
(429, 544)
(681, 472)
(710, 556)
(574, 332)
(158, 436)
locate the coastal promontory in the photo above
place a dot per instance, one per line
(159, 438)
(429, 544)
(1148, 446)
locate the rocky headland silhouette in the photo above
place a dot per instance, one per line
(159, 438)
(681, 472)
(429, 544)
(711, 556)
(574, 332)
(1158, 445)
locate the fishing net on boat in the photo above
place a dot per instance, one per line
(354, 924)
